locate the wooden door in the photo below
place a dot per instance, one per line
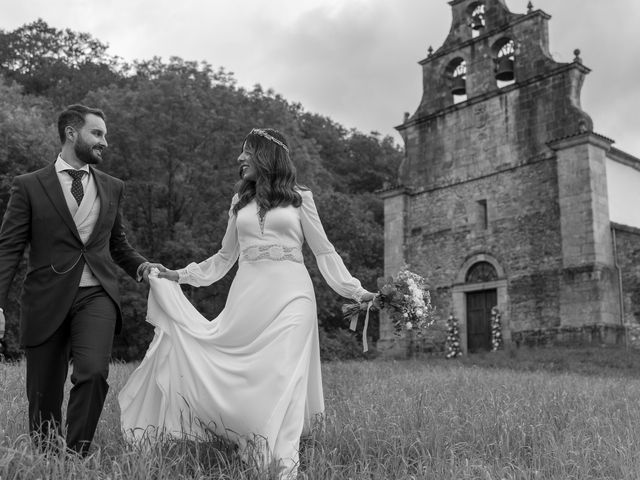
(479, 306)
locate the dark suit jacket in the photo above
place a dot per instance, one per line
(37, 215)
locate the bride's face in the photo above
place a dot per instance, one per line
(247, 168)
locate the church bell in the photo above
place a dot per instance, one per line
(459, 85)
(476, 22)
(504, 69)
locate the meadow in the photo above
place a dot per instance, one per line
(526, 414)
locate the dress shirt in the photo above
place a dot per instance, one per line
(66, 180)
(87, 279)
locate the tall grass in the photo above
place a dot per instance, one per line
(420, 419)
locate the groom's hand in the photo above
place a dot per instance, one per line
(145, 268)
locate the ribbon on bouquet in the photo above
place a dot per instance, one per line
(354, 323)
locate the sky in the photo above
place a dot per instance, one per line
(354, 61)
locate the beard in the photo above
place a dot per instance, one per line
(86, 153)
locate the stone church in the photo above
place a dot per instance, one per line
(504, 195)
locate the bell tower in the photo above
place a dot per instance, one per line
(502, 170)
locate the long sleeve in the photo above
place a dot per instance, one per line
(329, 262)
(122, 252)
(214, 268)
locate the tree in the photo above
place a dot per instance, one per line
(27, 142)
(27, 135)
(61, 64)
(358, 163)
(175, 131)
(370, 162)
(352, 229)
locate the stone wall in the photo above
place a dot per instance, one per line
(508, 129)
(497, 127)
(522, 234)
(627, 241)
(589, 289)
(514, 174)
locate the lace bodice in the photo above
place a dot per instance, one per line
(285, 230)
(282, 226)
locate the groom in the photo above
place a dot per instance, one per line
(69, 214)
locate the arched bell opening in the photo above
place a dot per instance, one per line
(504, 59)
(457, 73)
(476, 18)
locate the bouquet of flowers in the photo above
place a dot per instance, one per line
(405, 298)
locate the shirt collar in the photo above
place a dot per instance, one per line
(61, 165)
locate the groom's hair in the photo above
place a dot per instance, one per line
(74, 116)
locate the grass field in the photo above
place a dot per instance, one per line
(528, 414)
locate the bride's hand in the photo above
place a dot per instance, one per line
(367, 297)
(169, 275)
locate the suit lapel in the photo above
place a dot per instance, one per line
(104, 193)
(48, 177)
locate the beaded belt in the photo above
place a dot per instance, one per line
(271, 252)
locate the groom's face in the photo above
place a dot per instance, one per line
(91, 140)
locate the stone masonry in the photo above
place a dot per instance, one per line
(512, 175)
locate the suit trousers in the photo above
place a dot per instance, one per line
(85, 339)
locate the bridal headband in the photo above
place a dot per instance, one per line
(262, 133)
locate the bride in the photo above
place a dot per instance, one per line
(253, 373)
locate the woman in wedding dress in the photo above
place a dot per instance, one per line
(253, 373)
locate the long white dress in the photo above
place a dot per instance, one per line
(253, 373)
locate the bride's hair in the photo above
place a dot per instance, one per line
(275, 184)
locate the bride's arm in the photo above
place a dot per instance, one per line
(330, 263)
(214, 268)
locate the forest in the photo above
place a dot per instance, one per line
(175, 129)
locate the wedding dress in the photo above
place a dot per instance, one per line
(252, 373)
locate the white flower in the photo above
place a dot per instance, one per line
(409, 325)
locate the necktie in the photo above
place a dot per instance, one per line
(76, 186)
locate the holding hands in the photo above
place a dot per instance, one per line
(163, 272)
(145, 268)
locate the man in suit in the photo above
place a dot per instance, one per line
(69, 213)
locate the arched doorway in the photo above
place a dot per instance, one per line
(480, 285)
(479, 305)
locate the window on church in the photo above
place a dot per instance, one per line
(476, 19)
(481, 272)
(482, 217)
(458, 70)
(504, 62)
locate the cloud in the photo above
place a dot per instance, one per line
(352, 60)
